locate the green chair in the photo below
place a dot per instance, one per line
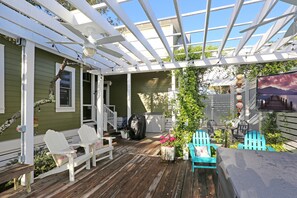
(200, 151)
(254, 140)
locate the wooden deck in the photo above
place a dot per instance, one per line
(135, 171)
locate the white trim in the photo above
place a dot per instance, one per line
(57, 91)
(2, 81)
(81, 91)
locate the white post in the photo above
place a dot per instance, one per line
(232, 101)
(212, 107)
(247, 101)
(173, 90)
(107, 93)
(93, 97)
(81, 96)
(128, 96)
(100, 112)
(27, 103)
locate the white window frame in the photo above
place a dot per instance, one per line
(72, 107)
(2, 80)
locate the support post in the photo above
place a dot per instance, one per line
(232, 101)
(27, 105)
(100, 112)
(247, 100)
(81, 96)
(128, 96)
(173, 90)
(212, 107)
(93, 91)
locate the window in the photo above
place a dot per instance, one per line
(2, 97)
(65, 90)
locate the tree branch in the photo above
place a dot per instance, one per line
(50, 99)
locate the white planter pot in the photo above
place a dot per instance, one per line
(125, 134)
(167, 153)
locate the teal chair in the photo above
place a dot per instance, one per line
(254, 140)
(201, 140)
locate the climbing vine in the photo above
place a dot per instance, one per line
(189, 106)
(263, 69)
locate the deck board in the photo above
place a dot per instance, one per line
(135, 171)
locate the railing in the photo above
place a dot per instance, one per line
(110, 116)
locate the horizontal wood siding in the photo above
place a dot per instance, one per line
(287, 123)
(118, 93)
(149, 84)
(12, 76)
(48, 118)
(145, 83)
(45, 64)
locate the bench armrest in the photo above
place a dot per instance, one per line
(61, 152)
(192, 149)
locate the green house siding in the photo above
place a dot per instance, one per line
(45, 66)
(48, 118)
(118, 93)
(148, 92)
(12, 94)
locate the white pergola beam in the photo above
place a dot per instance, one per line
(206, 23)
(116, 8)
(234, 15)
(180, 23)
(150, 14)
(69, 17)
(222, 61)
(96, 17)
(280, 42)
(274, 29)
(267, 7)
(27, 25)
(37, 14)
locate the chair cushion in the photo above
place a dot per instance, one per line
(98, 145)
(201, 151)
(62, 159)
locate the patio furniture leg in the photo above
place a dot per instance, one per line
(28, 182)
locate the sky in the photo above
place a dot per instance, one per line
(165, 8)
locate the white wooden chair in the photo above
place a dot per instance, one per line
(88, 136)
(64, 155)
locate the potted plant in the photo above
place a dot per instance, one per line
(167, 147)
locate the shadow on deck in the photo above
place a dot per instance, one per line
(135, 171)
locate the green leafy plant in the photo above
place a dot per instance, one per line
(42, 162)
(260, 69)
(272, 133)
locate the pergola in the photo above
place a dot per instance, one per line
(52, 27)
(42, 25)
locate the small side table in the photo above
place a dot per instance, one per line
(14, 172)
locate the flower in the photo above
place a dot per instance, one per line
(168, 140)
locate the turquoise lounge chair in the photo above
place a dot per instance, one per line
(201, 140)
(254, 140)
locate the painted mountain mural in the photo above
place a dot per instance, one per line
(276, 91)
